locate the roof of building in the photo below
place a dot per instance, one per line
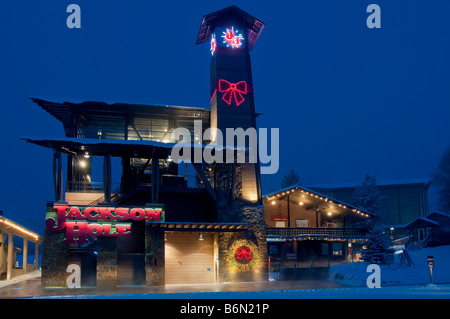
(423, 219)
(9, 225)
(301, 193)
(123, 120)
(115, 148)
(210, 21)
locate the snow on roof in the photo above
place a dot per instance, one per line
(427, 220)
(438, 213)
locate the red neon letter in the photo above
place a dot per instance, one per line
(105, 213)
(107, 231)
(123, 230)
(153, 214)
(122, 213)
(76, 233)
(94, 230)
(74, 213)
(87, 213)
(50, 223)
(137, 214)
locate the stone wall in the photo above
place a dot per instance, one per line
(106, 261)
(154, 258)
(55, 255)
(232, 208)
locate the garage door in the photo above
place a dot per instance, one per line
(189, 260)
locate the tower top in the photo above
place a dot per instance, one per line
(233, 13)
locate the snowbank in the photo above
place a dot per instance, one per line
(355, 274)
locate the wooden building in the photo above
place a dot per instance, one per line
(429, 231)
(308, 229)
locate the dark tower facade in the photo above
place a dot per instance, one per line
(232, 33)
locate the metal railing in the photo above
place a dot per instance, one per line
(86, 187)
(309, 231)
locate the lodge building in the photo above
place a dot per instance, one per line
(307, 229)
(164, 222)
(192, 222)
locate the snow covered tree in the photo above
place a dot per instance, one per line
(378, 249)
(290, 179)
(441, 179)
(368, 197)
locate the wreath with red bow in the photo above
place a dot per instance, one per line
(243, 255)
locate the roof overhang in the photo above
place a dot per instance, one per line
(233, 13)
(198, 227)
(115, 148)
(7, 225)
(308, 197)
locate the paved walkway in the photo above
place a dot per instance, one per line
(30, 286)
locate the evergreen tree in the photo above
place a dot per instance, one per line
(367, 196)
(378, 249)
(441, 180)
(290, 179)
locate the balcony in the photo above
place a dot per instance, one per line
(302, 232)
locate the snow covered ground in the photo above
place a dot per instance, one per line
(440, 291)
(397, 282)
(355, 274)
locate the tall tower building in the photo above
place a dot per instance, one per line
(232, 34)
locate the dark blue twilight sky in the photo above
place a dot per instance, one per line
(348, 100)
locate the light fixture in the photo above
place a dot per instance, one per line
(169, 158)
(83, 164)
(200, 237)
(273, 202)
(86, 155)
(300, 203)
(329, 213)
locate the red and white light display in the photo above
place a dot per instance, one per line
(231, 90)
(213, 44)
(232, 38)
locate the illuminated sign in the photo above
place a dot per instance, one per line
(231, 90)
(232, 38)
(93, 221)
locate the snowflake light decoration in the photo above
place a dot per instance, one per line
(232, 38)
(213, 44)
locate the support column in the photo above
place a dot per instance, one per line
(57, 176)
(155, 179)
(2, 253)
(36, 253)
(154, 258)
(317, 217)
(10, 262)
(288, 211)
(25, 256)
(107, 178)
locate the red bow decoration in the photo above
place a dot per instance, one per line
(233, 89)
(246, 252)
